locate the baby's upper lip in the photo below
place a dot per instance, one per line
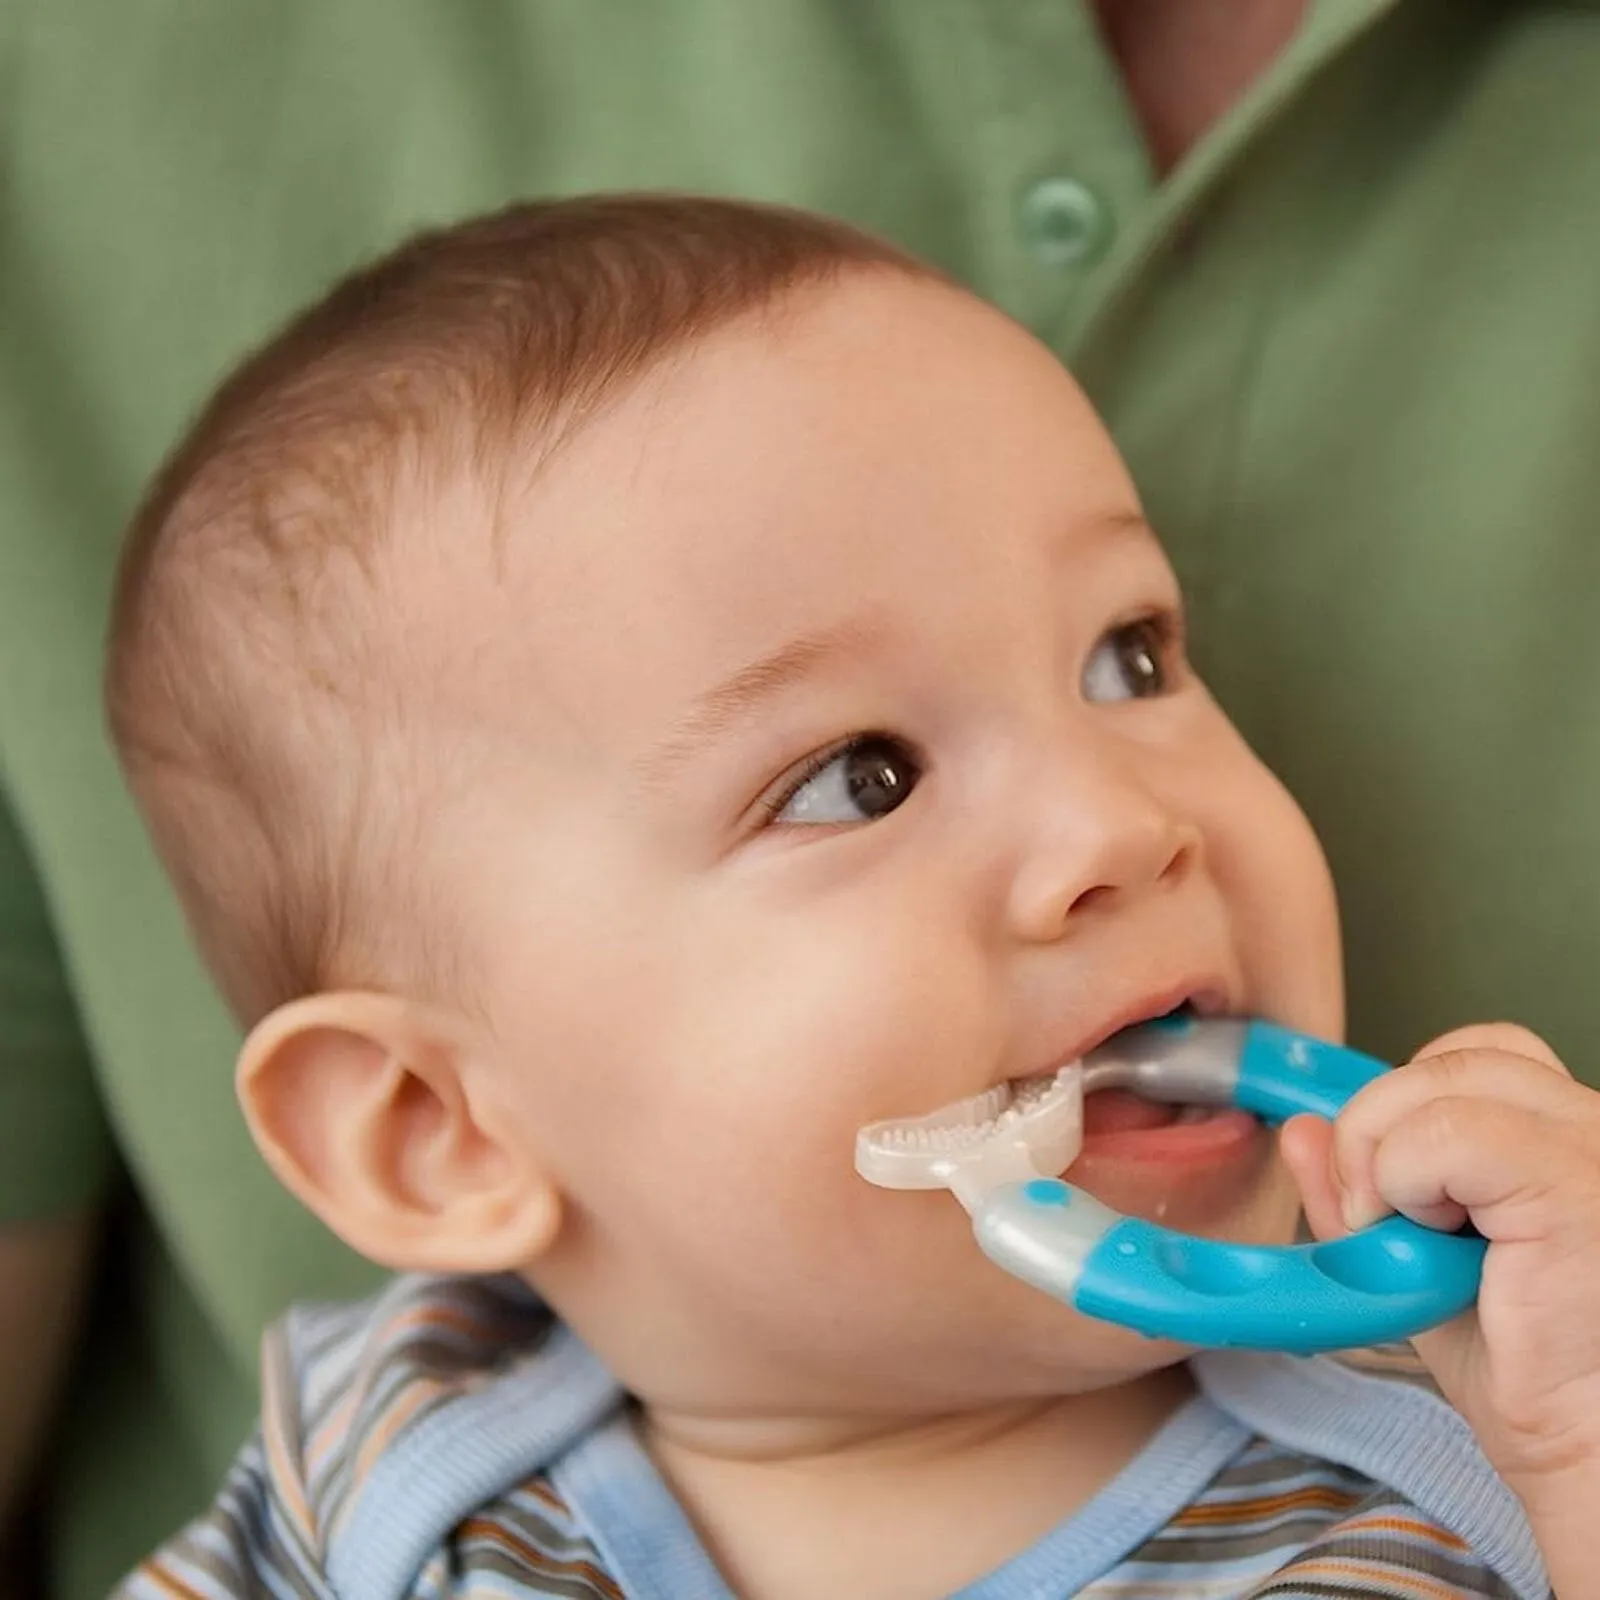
(1207, 993)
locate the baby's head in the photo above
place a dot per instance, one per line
(630, 691)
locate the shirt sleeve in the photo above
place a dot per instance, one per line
(250, 1545)
(55, 1151)
(262, 1538)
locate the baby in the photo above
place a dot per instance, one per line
(630, 691)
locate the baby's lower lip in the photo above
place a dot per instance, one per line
(1120, 1125)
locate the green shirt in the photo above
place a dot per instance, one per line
(1352, 348)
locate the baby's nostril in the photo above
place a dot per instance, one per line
(1090, 898)
(1182, 861)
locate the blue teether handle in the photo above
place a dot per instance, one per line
(1387, 1282)
(1282, 1073)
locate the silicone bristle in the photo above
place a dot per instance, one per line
(984, 1117)
(1012, 1130)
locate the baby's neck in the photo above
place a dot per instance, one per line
(791, 1509)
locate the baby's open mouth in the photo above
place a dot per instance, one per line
(1107, 1111)
(1130, 1103)
(1123, 1117)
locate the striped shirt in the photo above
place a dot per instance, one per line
(450, 1439)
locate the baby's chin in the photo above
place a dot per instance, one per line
(1036, 1351)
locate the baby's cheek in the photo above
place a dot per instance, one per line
(871, 1020)
(1274, 878)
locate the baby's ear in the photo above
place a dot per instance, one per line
(362, 1105)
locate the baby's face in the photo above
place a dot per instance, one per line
(846, 763)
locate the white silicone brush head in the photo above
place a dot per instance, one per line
(1015, 1131)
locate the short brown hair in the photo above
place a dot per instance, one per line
(241, 642)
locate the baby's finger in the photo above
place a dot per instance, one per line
(1306, 1145)
(1518, 1174)
(1494, 1077)
(1504, 1037)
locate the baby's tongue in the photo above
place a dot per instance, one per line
(1120, 1111)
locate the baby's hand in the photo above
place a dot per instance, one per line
(1486, 1123)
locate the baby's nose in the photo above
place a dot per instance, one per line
(1098, 845)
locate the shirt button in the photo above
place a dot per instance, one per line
(1065, 222)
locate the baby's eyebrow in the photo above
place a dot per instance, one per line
(737, 700)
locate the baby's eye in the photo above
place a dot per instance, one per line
(860, 783)
(1131, 662)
